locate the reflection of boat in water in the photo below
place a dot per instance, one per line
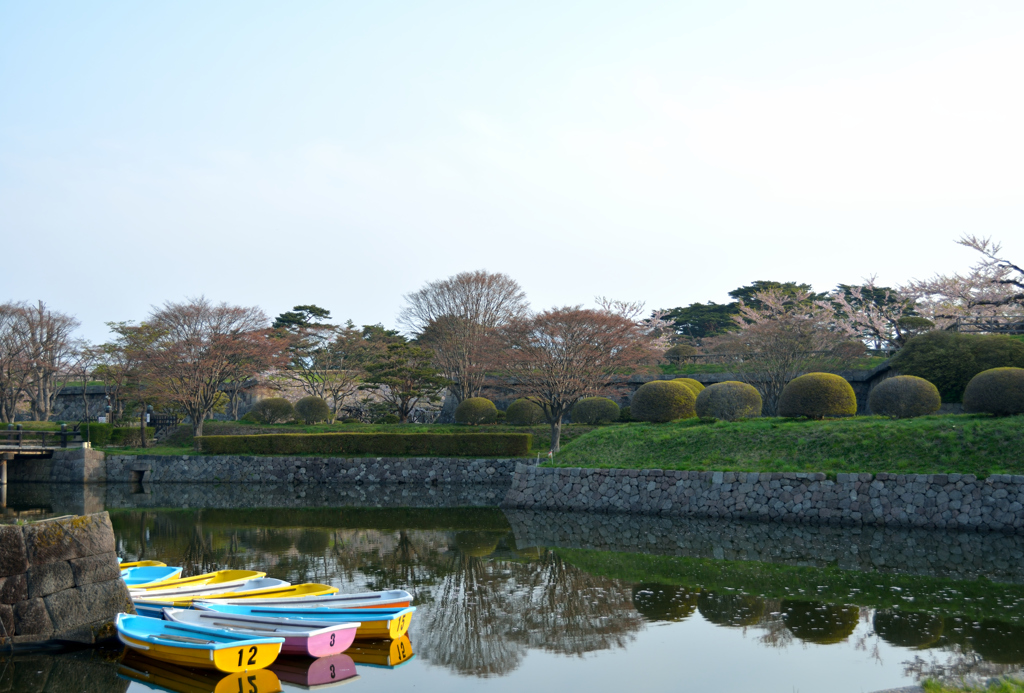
(303, 638)
(188, 645)
(161, 676)
(381, 653)
(316, 673)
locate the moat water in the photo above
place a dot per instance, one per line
(513, 601)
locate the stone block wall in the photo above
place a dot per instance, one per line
(952, 555)
(929, 501)
(307, 470)
(60, 581)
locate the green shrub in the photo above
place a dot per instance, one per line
(523, 412)
(904, 397)
(694, 385)
(500, 416)
(625, 414)
(180, 437)
(130, 437)
(382, 444)
(97, 434)
(389, 419)
(949, 359)
(663, 400)
(101, 435)
(270, 411)
(595, 410)
(998, 391)
(474, 411)
(351, 421)
(729, 401)
(312, 410)
(679, 353)
(817, 395)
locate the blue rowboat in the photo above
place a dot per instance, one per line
(374, 624)
(145, 575)
(194, 646)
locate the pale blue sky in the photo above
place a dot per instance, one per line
(343, 153)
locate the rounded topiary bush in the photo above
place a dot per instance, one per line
(270, 411)
(595, 410)
(694, 385)
(904, 397)
(998, 391)
(523, 412)
(663, 400)
(474, 411)
(679, 353)
(389, 419)
(729, 401)
(625, 414)
(817, 395)
(822, 624)
(312, 410)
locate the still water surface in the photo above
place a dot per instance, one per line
(509, 601)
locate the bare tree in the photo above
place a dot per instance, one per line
(787, 335)
(14, 371)
(198, 347)
(50, 352)
(565, 354)
(453, 318)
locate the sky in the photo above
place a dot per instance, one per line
(344, 153)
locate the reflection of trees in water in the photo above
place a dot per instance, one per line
(657, 602)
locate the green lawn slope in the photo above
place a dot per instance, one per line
(979, 445)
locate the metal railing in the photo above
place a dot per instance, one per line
(19, 437)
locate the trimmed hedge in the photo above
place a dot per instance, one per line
(101, 435)
(313, 410)
(694, 385)
(729, 401)
(950, 359)
(523, 412)
(383, 444)
(660, 401)
(475, 411)
(817, 395)
(270, 411)
(998, 391)
(595, 410)
(904, 397)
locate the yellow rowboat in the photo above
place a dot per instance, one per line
(152, 603)
(195, 646)
(382, 653)
(142, 564)
(218, 579)
(306, 589)
(168, 677)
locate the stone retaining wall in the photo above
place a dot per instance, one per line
(60, 581)
(952, 555)
(929, 501)
(307, 470)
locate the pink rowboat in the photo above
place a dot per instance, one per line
(302, 638)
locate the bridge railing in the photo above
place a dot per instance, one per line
(16, 436)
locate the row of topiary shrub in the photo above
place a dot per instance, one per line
(311, 410)
(949, 360)
(382, 444)
(998, 391)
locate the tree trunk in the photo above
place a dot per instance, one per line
(197, 426)
(556, 433)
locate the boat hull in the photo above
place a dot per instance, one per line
(168, 677)
(228, 660)
(374, 624)
(393, 599)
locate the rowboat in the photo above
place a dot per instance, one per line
(262, 588)
(142, 576)
(392, 599)
(219, 579)
(175, 679)
(141, 564)
(386, 654)
(152, 603)
(375, 624)
(309, 673)
(302, 637)
(193, 646)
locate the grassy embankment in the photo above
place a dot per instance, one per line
(964, 444)
(1003, 686)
